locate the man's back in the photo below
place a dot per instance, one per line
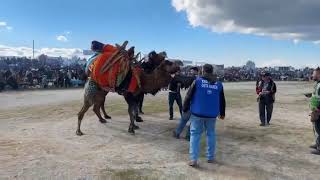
(205, 97)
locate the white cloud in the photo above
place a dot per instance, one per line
(316, 42)
(62, 38)
(286, 19)
(3, 24)
(27, 51)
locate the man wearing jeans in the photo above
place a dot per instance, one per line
(186, 115)
(206, 102)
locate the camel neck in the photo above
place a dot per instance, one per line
(155, 81)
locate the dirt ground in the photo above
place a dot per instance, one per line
(38, 141)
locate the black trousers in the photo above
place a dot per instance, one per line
(265, 111)
(174, 97)
(316, 129)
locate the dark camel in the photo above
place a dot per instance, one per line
(150, 83)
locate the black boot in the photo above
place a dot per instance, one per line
(314, 146)
(315, 152)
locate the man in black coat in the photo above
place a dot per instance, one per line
(266, 91)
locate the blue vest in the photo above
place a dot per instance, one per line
(206, 98)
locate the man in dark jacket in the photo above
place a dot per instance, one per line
(174, 95)
(205, 100)
(186, 115)
(266, 91)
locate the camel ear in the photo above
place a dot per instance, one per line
(152, 54)
(163, 54)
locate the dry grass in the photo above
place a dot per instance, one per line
(38, 140)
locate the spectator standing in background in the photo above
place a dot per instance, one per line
(266, 91)
(315, 111)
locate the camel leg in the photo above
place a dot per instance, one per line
(104, 112)
(83, 110)
(137, 117)
(96, 110)
(98, 102)
(137, 105)
(103, 99)
(141, 98)
(131, 110)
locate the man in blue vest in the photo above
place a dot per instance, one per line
(205, 99)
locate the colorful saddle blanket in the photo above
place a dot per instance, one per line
(111, 79)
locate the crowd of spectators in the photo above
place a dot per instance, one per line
(26, 73)
(46, 72)
(235, 74)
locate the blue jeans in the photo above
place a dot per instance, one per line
(183, 122)
(198, 125)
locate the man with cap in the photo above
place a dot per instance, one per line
(205, 100)
(266, 91)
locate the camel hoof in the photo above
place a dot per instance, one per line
(131, 131)
(79, 133)
(136, 127)
(139, 119)
(107, 117)
(103, 121)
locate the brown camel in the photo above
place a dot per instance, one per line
(154, 60)
(150, 83)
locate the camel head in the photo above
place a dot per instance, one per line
(159, 78)
(169, 67)
(155, 59)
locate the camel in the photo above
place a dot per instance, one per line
(150, 83)
(154, 60)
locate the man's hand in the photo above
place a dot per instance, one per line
(221, 117)
(266, 92)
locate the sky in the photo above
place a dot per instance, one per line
(230, 32)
